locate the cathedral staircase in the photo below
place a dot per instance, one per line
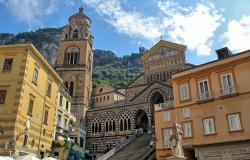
(135, 150)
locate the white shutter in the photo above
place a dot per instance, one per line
(186, 112)
(184, 93)
(234, 122)
(208, 126)
(166, 116)
(187, 127)
(167, 132)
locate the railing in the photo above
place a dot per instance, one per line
(166, 105)
(205, 96)
(117, 148)
(228, 90)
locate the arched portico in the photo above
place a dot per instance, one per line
(141, 120)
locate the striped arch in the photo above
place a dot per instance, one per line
(151, 94)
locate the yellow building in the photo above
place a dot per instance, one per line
(211, 101)
(28, 93)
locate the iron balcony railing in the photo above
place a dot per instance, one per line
(161, 106)
(204, 96)
(228, 90)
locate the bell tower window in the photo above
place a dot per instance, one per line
(71, 55)
(75, 34)
(71, 58)
(71, 88)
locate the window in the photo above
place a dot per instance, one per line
(25, 139)
(186, 112)
(60, 100)
(81, 142)
(44, 132)
(166, 116)
(71, 88)
(234, 122)
(7, 64)
(49, 90)
(108, 97)
(46, 115)
(71, 58)
(204, 90)
(30, 109)
(227, 84)
(59, 120)
(2, 96)
(167, 132)
(67, 105)
(208, 125)
(35, 76)
(184, 93)
(65, 123)
(187, 129)
(75, 34)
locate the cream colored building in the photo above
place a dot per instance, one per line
(105, 96)
(211, 101)
(65, 121)
(28, 91)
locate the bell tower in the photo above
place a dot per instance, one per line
(75, 62)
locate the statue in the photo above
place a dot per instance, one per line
(176, 143)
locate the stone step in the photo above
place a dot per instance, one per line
(135, 150)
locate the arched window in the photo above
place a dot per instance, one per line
(75, 34)
(129, 124)
(92, 128)
(113, 125)
(96, 128)
(107, 126)
(66, 36)
(125, 125)
(71, 88)
(100, 127)
(121, 125)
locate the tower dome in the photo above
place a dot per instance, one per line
(78, 27)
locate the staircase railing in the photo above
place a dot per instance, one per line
(117, 148)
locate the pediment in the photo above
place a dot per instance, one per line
(163, 49)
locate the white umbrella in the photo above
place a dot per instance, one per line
(27, 157)
(5, 158)
(49, 158)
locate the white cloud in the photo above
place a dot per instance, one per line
(192, 26)
(237, 36)
(127, 22)
(31, 12)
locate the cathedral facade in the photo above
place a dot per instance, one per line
(109, 125)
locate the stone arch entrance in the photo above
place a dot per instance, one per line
(141, 120)
(156, 97)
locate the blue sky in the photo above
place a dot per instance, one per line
(124, 25)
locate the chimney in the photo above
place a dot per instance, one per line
(223, 53)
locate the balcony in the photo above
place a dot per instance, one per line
(229, 91)
(161, 106)
(204, 97)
